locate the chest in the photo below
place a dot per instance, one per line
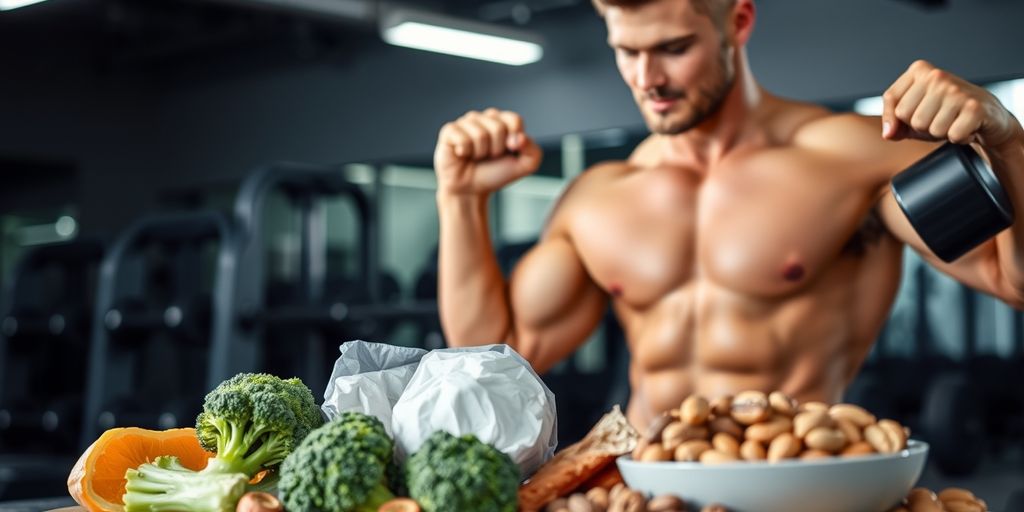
(761, 230)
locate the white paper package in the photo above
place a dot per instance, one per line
(370, 378)
(489, 391)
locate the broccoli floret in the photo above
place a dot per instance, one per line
(252, 422)
(165, 484)
(339, 467)
(462, 473)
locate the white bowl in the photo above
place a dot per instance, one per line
(872, 483)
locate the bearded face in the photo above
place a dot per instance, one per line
(676, 61)
(670, 111)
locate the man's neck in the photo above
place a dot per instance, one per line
(736, 123)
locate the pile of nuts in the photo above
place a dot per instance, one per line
(952, 499)
(622, 499)
(753, 426)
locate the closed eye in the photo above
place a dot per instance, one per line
(674, 46)
(677, 48)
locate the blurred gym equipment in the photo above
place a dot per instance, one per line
(45, 313)
(296, 327)
(952, 409)
(428, 328)
(967, 407)
(162, 331)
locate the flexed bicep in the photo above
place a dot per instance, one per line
(555, 303)
(978, 268)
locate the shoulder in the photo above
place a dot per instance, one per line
(587, 188)
(592, 183)
(811, 127)
(857, 139)
(844, 134)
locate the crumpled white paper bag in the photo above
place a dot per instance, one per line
(491, 392)
(370, 378)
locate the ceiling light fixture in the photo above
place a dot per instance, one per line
(463, 38)
(7, 5)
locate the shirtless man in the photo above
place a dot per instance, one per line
(751, 242)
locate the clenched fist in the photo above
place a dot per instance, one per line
(930, 104)
(481, 152)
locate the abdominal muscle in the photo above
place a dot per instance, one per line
(706, 339)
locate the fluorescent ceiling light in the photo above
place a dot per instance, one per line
(6, 5)
(462, 38)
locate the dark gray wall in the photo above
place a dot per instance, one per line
(132, 140)
(63, 113)
(827, 49)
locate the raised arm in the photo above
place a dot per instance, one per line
(929, 104)
(550, 304)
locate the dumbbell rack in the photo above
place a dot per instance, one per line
(52, 338)
(42, 364)
(319, 321)
(119, 324)
(239, 312)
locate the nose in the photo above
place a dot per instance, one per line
(649, 74)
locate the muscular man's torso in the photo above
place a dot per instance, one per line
(768, 271)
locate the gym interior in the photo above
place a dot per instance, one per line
(197, 188)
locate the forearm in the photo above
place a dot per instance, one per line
(472, 292)
(1007, 160)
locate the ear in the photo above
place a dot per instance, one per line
(741, 21)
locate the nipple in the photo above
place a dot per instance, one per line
(615, 289)
(793, 271)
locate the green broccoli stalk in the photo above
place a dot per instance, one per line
(462, 473)
(249, 433)
(165, 484)
(252, 422)
(339, 467)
